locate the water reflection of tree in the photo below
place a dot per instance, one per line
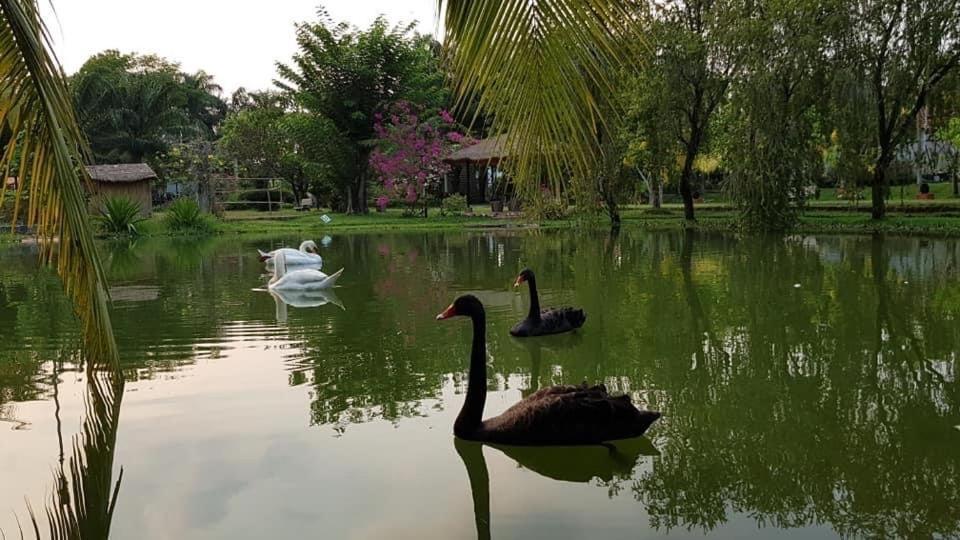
(828, 402)
(819, 415)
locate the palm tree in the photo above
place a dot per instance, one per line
(46, 151)
(47, 156)
(544, 70)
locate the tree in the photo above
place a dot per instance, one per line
(543, 73)
(410, 147)
(650, 150)
(131, 107)
(771, 144)
(347, 75)
(694, 60)
(266, 141)
(902, 50)
(35, 101)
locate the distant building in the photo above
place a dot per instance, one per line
(476, 173)
(131, 180)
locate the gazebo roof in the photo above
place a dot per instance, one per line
(488, 151)
(123, 172)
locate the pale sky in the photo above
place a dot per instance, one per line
(237, 41)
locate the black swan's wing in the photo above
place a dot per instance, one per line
(561, 319)
(569, 415)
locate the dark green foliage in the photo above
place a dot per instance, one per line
(771, 144)
(346, 76)
(130, 106)
(454, 205)
(119, 215)
(184, 216)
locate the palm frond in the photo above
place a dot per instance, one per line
(544, 70)
(34, 102)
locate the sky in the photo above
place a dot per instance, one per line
(237, 41)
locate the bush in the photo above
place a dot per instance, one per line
(548, 207)
(185, 216)
(453, 205)
(119, 215)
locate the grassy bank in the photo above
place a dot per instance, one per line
(710, 216)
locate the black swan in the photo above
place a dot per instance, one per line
(553, 416)
(548, 321)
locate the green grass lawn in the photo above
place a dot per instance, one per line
(938, 217)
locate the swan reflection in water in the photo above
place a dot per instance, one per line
(569, 464)
(303, 299)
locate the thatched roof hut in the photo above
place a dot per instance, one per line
(131, 180)
(485, 152)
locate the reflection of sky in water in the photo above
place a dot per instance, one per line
(336, 422)
(241, 465)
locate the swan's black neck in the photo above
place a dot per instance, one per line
(534, 314)
(471, 415)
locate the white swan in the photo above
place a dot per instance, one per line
(299, 280)
(305, 256)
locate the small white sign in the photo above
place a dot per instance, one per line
(326, 219)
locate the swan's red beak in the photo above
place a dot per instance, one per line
(447, 313)
(520, 279)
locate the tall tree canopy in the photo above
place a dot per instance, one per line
(347, 75)
(265, 140)
(131, 107)
(902, 50)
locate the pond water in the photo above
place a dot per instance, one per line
(808, 386)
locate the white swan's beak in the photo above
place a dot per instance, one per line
(447, 313)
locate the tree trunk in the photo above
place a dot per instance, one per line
(878, 204)
(656, 193)
(686, 191)
(349, 199)
(362, 194)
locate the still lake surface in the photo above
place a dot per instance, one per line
(808, 385)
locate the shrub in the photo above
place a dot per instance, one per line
(185, 216)
(453, 205)
(119, 215)
(547, 207)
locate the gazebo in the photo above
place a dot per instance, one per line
(131, 180)
(476, 169)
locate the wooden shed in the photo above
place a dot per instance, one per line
(131, 180)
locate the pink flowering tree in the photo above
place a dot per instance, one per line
(408, 158)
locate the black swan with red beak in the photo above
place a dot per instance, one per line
(548, 321)
(554, 416)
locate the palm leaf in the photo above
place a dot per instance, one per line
(544, 70)
(34, 101)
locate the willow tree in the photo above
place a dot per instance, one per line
(903, 50)
(544, 71)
